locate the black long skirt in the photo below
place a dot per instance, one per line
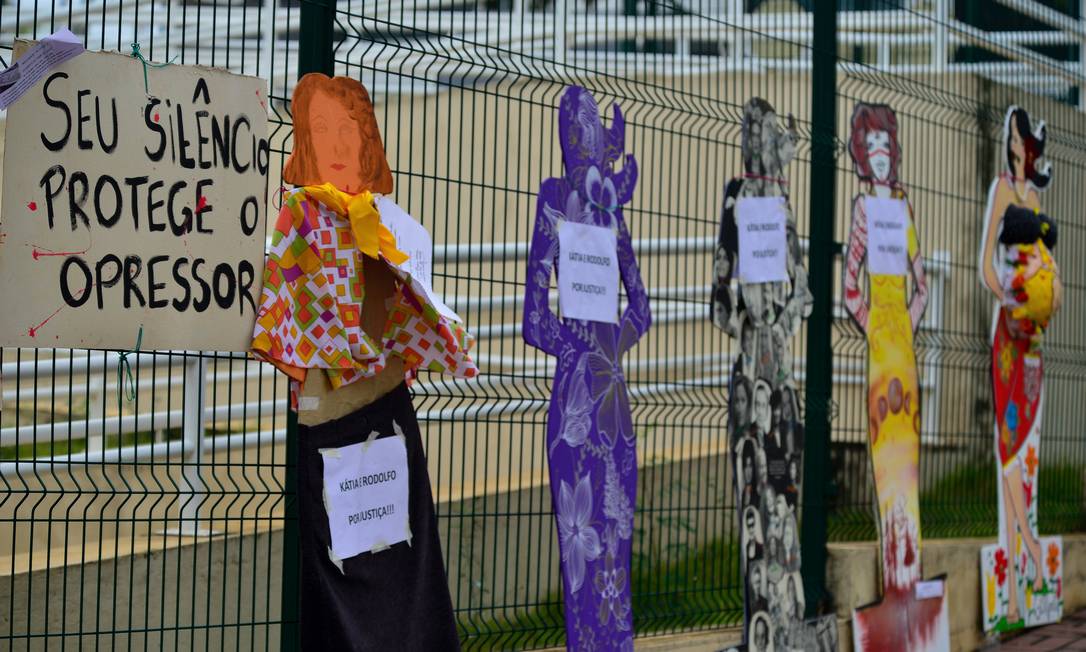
(395, 599)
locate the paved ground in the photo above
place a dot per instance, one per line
(1070, 634)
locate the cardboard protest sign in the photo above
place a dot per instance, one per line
(128, 205)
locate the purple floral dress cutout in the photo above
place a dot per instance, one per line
(590, 435)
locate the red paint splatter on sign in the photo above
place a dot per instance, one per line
(42, 253)
(33, 330)
(201, 204)
(32, 205)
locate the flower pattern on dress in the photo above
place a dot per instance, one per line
(610, 582)
(1006, 362)
(600, 191)
(1053, 559)
(1031, 460)
(616, 505)
(1001, 565)
(608, 383)
(580, 541)
(590, 432)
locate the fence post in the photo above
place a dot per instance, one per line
(315, 54)
(820, 325)
(191, 490)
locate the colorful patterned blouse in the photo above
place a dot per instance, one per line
(311, 304)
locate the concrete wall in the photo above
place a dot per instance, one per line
(852, 577)
(211, 585)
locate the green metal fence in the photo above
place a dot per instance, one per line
(951, 131)
(163, 522)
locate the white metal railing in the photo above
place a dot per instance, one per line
(477, 43)
(669, 308)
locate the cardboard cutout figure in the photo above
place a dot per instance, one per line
(765, 431)
(883, 240)
(338, 297)
(590, 436)
(1021, 577)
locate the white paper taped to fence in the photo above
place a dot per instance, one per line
(588, 275)
(929, 589)
(51, 51)
(763, 239)
(414, 240)
(887, 236)
(366, 495)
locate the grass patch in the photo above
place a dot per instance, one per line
(964, 504)
(698, 589)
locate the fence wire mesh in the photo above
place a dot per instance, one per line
(157, 522)
(951, 121)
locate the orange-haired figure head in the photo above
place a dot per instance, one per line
(336, 139)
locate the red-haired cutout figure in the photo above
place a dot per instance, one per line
(888, 308)
(336, 139)
(336, 300)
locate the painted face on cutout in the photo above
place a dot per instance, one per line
(755, 137)
(768, 143)
(761, 635)
(721, 266)
(782, 506)
(761, 407)
(742, 404)
(878, 154)
(337, 142)
(748, 469)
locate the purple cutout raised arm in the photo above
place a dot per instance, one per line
(590, 437)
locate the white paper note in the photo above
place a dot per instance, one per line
(588, 274)
(763, 239)
(36, 62)
(929, 589)
(413, 239)
(366, 495)
(887, 236)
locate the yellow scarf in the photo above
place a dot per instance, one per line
(369, 234)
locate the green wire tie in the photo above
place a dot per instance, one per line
(124, 372)
(139, 55)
